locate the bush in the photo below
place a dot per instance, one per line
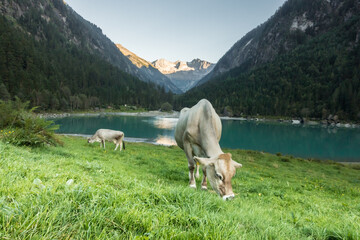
(11, 111)
(22, 127)
(166, 107)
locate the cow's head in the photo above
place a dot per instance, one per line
(220, 170)
(92, 140)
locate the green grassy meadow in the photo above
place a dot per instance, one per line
(79, 191)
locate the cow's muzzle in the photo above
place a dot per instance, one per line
(228, 197)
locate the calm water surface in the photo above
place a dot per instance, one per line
(340, 144)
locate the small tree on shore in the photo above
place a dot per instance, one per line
(166, 107)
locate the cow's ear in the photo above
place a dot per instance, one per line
(236, 164)
(203, 161)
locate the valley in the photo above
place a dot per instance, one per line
(301, 63)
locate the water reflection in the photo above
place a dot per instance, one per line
(165, 140)
(165, 123)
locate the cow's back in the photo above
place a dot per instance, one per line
(199, 122)
(108, 134)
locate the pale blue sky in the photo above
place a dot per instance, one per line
(176, 30)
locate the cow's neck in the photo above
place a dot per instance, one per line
(212, 147)
(214, 152)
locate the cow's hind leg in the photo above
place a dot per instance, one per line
(116, 142)
(204, 180)
(121, 142)
(191, 163)
(198, 152)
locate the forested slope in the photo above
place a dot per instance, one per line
(319, 77)
(38, 63)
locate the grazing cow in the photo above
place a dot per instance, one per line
(198, 133)
(117, 137)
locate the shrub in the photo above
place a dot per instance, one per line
(22, 127)
(228, 111)
(11, 111)
(166, 107)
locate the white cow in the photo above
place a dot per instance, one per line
(117, 137)
(198, 133)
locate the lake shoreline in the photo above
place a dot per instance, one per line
(175, 114)
(153, 142)
(126, 139)
(96, 114)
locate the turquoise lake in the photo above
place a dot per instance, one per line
(339, 144)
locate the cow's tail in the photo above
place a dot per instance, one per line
(122, 140)
(197, 175)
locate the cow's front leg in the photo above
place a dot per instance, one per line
(204, 180)
(191, 164)
(103, 142)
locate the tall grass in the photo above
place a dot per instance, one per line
(80, 191)
(20, 126)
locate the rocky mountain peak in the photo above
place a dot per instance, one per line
(168, 67)
(199, 64)
(183, 66)
(184, 75)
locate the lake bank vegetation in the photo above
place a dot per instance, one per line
(20, 126)
(81, 191)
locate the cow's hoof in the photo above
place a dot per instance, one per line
(204, 188)
(192, 185)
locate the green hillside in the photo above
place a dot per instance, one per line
(318, 78)
(80, 191)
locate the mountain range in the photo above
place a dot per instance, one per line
(179, 76)
(304, 61)
(148, 71)
(185, 75)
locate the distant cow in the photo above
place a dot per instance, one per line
(198, 133)
(117, 137)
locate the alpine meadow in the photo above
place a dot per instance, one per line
(80, 191)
